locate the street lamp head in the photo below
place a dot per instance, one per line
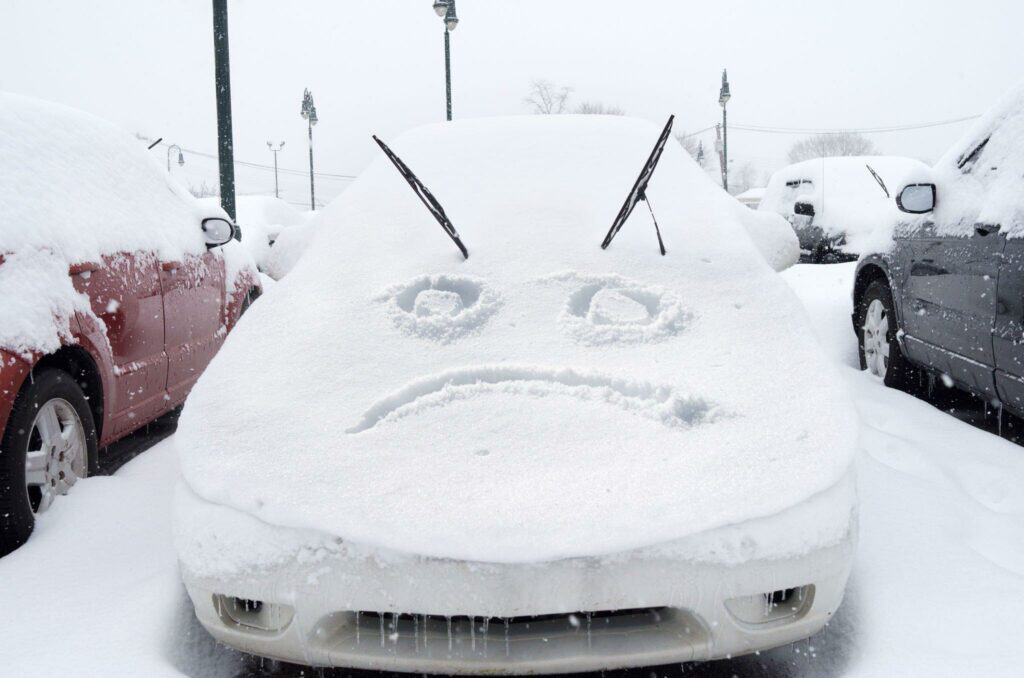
(724, 95)
(181, 158)
(441, 7)
(308, 108)
(451, 20)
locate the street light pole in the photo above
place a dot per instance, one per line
(309, 113)
(225, 138)
(448, 70)
(446, 10)
(723, 98)
(275, 151)
(181, 158)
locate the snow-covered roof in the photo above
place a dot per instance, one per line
(755, 193)
(74, 188)
(81, 187)
(980, 177)
(846, 197)
(542, 399)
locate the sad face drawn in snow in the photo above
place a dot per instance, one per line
(609, 310)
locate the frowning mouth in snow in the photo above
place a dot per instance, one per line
(660, 403)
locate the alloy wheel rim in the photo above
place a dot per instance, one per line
(876, 339)
(57, 455)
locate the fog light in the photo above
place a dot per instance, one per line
(255, 615)
(773, 606)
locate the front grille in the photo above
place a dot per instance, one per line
(547, 640)
(572, 618)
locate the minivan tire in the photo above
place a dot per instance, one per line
(900, 373)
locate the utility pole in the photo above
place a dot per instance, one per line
(309, 113)
(275, 151)
(723, 98)
(225, 137)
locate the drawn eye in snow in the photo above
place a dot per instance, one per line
(441, 308)
(613, 310)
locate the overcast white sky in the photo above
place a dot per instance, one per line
(377, 66)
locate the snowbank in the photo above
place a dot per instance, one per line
(544, 398)
(847, 199)
(76, 188)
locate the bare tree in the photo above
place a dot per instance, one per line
(547, 98)
(203, 190)
(598, 108)
(689, 143)
(830, 145)
(742, 179)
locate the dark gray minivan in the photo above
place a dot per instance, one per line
(946, 295)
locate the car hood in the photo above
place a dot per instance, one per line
(544, 398)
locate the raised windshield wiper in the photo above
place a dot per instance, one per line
(639, 191)
(879, 180)
(425, 196)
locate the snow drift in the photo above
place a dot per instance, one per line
(544, 398)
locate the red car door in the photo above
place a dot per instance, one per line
(124, 291)
(193, 292)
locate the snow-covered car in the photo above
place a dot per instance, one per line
(834, 204)
(116, 290)
(262, 220)
(752, 197)
(547, 456)
(942, 292)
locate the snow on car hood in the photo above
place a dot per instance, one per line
(846, 197)
(544, 398)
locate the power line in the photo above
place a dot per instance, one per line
(256, 165)
(858, 130)
(766, 129)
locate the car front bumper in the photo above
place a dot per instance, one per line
(351, 607)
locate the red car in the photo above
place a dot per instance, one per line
(145, 318)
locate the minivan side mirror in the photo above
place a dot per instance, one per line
(916, 198)
(804, 209)
(217, 231)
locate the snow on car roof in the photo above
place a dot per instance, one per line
(75, 188)
(81, 187)
(980, 176)
(543, 398)
(846, 197)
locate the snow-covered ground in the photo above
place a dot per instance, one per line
(936, 590)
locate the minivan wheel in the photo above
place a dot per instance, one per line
(49, 444)
(880, 352)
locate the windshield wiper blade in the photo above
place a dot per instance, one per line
(425, 196)
(639, 191)
(879, 180)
